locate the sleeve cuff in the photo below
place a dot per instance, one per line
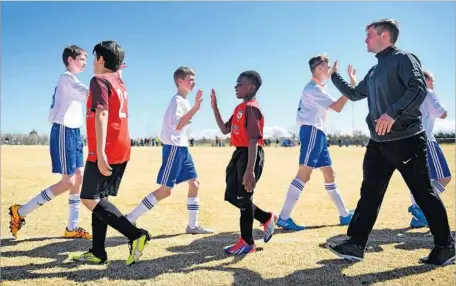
(390, 112)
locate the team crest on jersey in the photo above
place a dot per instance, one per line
(239, 115)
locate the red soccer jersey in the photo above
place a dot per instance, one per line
(108, 92)
(243, 129)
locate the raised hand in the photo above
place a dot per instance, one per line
(352, 75)
(213, 99)
(198, 98)
(335, 67)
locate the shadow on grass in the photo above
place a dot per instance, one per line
(404, 239)
(200, 251)
(185, 259)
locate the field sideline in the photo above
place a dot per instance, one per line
(39, 256)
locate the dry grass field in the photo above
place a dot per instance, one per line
(172, 257)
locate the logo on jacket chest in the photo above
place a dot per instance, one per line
(372, 73)
(239, 115)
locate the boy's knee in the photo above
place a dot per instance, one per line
(304, 173)
(78, 175)
(162, 192)
(329, 175)
(89, 203)
(69, 180)
(194, 184)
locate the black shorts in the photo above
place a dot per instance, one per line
(235, 192)
(97, 186)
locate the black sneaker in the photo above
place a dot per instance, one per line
(440, 255)
(347, 250)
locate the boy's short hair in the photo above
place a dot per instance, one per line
(428, 75)
(254, 78)
(316, 60)
(390, 25)
(182, 72)
(112, 54)
(72, 51)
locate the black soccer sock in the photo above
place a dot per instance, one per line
(246, 222)
(108, 213)
(99, 230)
(260, 215)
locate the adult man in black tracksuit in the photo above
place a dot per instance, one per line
(394, 88)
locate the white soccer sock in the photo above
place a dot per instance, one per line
(39, 200)
(193, 210)
(294, 191)
(333, 192)
(438, 187)
(146, 205)
(74, 205)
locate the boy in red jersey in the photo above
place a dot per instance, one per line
(245, 168)
(109, 151)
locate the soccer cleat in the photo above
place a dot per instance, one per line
(418, 214)
(137, 247)
(440, 255)
(289, 224)
(269, 227)
(16, 221)
(345, 220)
(241, 247)
(89, 257)
(414, 223)
(78, 232)
(347, 250)
(198, 230)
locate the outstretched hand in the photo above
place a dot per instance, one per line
(335, 67)
(213, 99)
(198, 98)
(352, 75)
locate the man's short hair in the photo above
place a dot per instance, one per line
(317, 60)
(72, 51)
(390, 25)
(182, 72)
(254, 78)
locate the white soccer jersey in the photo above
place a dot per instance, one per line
(313, 106)
(69, 96)
(430, 109)
(177, 108)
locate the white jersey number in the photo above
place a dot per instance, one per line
(123, 108)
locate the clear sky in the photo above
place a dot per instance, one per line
(219, 40)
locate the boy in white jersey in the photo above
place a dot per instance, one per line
(314, 154)
(439, 173)
(66, 146)
(177, 163)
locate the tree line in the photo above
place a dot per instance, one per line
(34, 138)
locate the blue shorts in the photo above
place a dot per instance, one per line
(438, 167)
(177, 166)
(314, 148)
(66, 149)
